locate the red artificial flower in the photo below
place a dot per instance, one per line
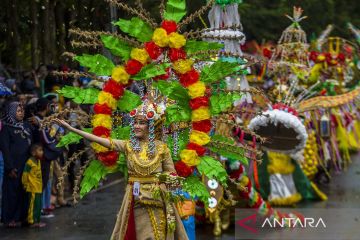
(200, 150)
(133, 113)
(150, 115)
(133, 66)
(189, 78)
(114, 88)
(313, 56)
(341, 57)
(330, 60)
(199, 102)
(323, 92)
(202, 126)
(108, 158)
(102, 109)
(164, 76)
(101, 131)
(153, 50)
(236, 174)
(176, 54)
(182, 169)
(169, 26)
(267, 53)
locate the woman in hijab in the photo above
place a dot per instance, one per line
(15, 142)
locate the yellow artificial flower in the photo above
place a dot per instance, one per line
(244, 181)
(176, 40)
(102, 120)
(99, 148)
(140, 55)
(197, 89)
(108, 99)
(160, 37)
(120, 75)
(199, 138)
(200, 114)
(189, 157)
(183, 66)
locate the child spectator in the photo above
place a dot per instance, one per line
(32, 182)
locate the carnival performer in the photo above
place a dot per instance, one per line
(142, 215)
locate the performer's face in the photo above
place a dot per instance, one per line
(141, 127)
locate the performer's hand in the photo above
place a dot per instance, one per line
(62, 123)
(13, 173)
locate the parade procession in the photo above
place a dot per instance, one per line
(169, 122)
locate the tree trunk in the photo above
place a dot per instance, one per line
(60, 26)
(52, 34)
(35, 52)
(46, 55)
(14, 39)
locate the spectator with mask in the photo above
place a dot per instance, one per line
(15, 142)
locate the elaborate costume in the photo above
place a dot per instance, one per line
(141, 212)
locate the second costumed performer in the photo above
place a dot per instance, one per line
(142, 215)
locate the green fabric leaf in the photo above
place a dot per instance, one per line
(174, 91)
(80, 95)
(122, 165)
(175, 10)
(71, 138)
(196, 189)
(128, 101)
(193, 46)
(151, 70)
(98, 64)
(212, 168)
(217, 71)
(222, 146)
(222, 102)
(183, 139)
(177, 113)
(92, 176)
(136, 28)
(116, 46)
(122, 133)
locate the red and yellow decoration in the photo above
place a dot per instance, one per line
(167, 39)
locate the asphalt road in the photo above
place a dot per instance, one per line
(93, 218)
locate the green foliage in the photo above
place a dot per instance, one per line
(196, 189)
(193, 46)
(212, 168)
(177, 113)
(230, 150)
(116, 46)
(122, 133)
(97, 64)
(128, 101)
(122, 165)
(222, 102)
(92, 176)
(173, 90)
(218, 71)
(151, 70)
(71, 138)
(136, 28)
(175, 10)
(80, 95)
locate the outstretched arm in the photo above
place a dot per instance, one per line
(118, 144)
